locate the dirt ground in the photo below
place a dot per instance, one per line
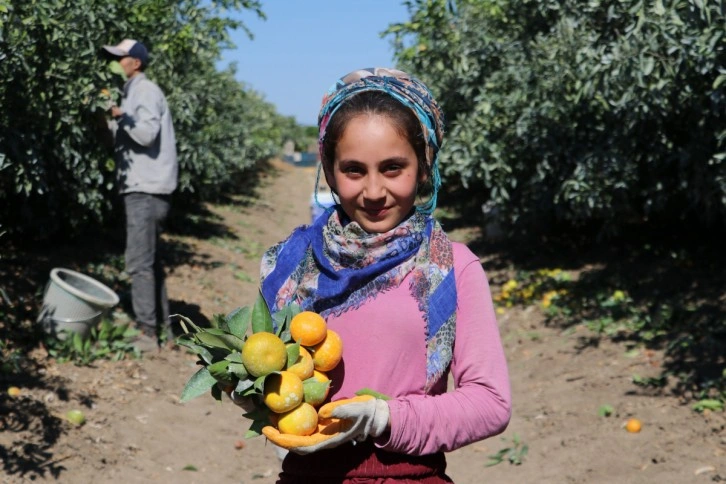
(138, 432)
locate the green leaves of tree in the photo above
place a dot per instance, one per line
(56, 174)
(599, 113)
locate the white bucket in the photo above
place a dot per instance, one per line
(74, 302)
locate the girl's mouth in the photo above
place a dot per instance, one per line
(376, 212)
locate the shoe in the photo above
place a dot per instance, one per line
(145, 342)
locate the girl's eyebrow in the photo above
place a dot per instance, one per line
(393, 159)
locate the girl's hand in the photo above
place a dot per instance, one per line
(350, 420)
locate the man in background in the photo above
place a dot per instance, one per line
(145, 154)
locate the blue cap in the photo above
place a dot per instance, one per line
(129, 48)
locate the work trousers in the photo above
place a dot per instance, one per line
(145, 217)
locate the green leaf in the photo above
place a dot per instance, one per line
(219, 372)
(198, 384)
(219, 322)
(708, 404)
(373, 393)
(238, 370)
(243, 386)
(218, 338)
(256, 428)
(314, 390)
(216, 393)
(293, 354)
(234, 357)
(183, 321)
(261, 413)
(261, 318)
(116, 68)
(238, 321)
(259, 384)
(605, 410)
(203, 352)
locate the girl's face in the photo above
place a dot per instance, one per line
(375, 173)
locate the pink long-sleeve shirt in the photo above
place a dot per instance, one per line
(384, 349)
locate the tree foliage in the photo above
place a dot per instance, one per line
(602, 113)
(55, 172)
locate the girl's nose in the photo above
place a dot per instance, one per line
(374, 188)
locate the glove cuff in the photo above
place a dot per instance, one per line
(381, 416)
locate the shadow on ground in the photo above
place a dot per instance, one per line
(669, 296)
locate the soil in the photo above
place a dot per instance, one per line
(137, 431)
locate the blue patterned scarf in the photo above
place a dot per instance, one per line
(333, 266)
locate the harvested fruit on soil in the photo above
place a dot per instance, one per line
(263, 353)
(76, 417)
(633, 425)
(283, 392)
(308, 328)
(328, 353)
(302, 420)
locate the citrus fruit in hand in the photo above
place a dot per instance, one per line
(263, 353)
(633, 425)
(302, 420)
(303, 367)
(283, 392)
(314, 394)
(327, 353)
(308, 328)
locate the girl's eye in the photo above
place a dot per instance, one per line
(352, 170)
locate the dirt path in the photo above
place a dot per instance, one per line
(138, 432)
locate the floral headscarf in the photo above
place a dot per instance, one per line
(406, 89)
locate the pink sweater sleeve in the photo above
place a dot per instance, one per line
(480, 404)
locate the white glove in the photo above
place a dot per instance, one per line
(358, 421)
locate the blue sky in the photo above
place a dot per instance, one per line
(305, 45)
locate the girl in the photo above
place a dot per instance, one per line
(410, 305)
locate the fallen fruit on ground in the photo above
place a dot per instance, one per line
(328, 353)
(15, 391)
(308, 328)
(76, 417)
(283, 392)
(633, 425)
(302, 420)
(263, 353)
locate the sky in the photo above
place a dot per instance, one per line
(305, 45)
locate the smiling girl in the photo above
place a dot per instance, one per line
(411, 306)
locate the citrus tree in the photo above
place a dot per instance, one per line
(602, 113)
(56, 172)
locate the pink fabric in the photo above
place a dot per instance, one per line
(384, 348)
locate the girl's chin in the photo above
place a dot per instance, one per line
(377, 225)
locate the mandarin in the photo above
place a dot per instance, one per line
(633, 425)
(301, 420)
(303, 367)
(308, 328)
(328, 353)
(283, 392)
(263, 353)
